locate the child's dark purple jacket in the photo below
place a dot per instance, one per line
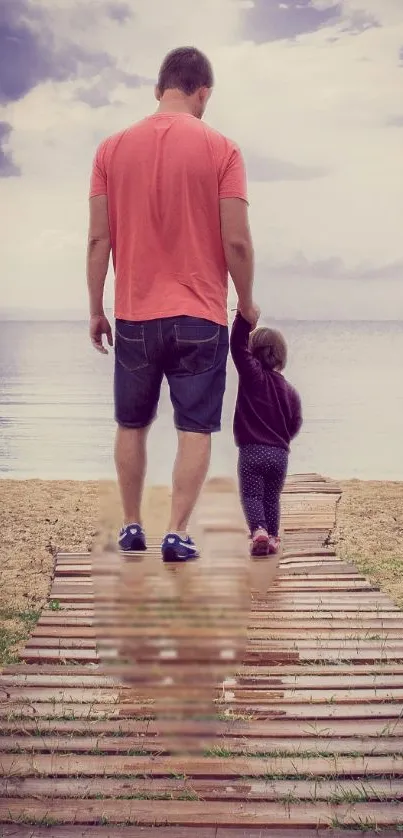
(268, 408)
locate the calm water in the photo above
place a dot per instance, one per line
(56, 414)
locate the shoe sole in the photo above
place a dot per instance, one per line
(260, 546)
(170, 555)
(137, 547)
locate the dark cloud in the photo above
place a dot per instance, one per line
(29, 55)
(335, 268)
(264, 169)
(272, 20)
(100, 94)
(119, 11)
(7, 165)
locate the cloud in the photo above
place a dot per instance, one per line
(271, 20)
(265, 169)
(7, 166)
(334, 268)
(359, 21)
(119, 11)
(31, 54)
(34, 49)
(101, 93)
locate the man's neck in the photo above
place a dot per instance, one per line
(173, 101)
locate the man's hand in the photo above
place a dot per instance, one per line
(100, 326)
(251, 313)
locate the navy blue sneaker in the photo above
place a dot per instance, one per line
(177, 549)
(132, 539)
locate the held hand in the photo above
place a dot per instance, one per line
(251, 313)
(100, 326)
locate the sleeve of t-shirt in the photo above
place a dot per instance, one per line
(232, 182)
(98, 185)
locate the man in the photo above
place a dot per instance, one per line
(168, 197)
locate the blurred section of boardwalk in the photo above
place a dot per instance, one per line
(285, 693)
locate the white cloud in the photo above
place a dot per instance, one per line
(313, 103)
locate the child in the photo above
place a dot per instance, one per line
(267, 417)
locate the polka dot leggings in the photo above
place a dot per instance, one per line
(262, 470)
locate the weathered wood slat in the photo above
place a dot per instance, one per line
(307, 712)
(170, 745)
(65, 765)
(152, 813)
(262, 790)
(88, 831)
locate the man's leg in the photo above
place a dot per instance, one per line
(131, 465)
(196, 359)
(138, 377)
(190, 471)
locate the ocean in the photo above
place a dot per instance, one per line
(56, 403)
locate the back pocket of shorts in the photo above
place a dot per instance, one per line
(130, 346)
(197, 346)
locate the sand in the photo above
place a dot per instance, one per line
(37, 518)
(369, 532)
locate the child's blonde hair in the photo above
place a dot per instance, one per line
(269, 347)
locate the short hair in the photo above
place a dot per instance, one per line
(269, 347)
(185, 69)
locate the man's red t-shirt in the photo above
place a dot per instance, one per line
(164, 178)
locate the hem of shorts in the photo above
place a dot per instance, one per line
(204, 431)
(134, 425)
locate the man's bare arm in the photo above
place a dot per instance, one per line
(238, 249)
(98, 255)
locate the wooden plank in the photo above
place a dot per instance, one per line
(293, 669)
(189, 813)
(169, 745)
(317, 682)
(65, 765)
(368, 619)
(385, 728)
(264, 790)
(241, 696)
(307, 712)
(89, 831)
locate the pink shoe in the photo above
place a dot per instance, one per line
(274, 544)
(260, 543)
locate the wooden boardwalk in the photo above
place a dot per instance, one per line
(309, 735)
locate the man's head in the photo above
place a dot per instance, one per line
(186, 73)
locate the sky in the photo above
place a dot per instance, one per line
(311, 90)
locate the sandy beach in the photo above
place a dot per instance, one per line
(40, 517)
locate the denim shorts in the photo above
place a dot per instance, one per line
(191, 352)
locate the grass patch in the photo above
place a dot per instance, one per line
(15, 628)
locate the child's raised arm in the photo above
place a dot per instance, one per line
(246, 364)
